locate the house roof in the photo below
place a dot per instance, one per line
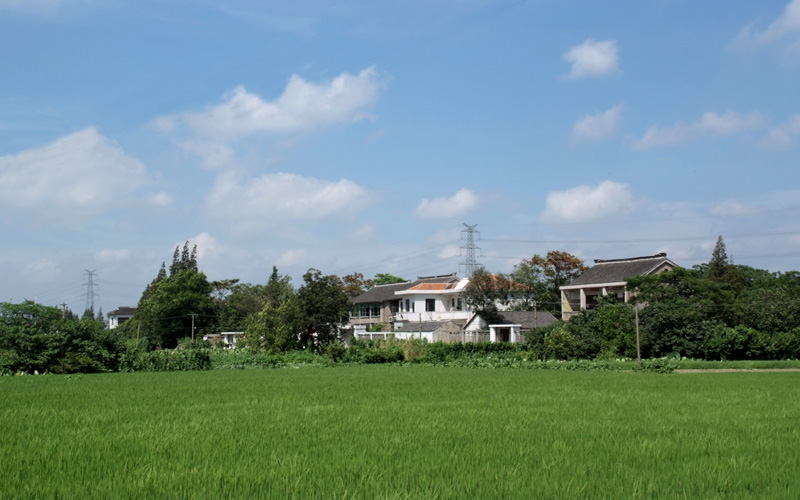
(526, 319)
(380, 293)
(432, 286)
(617, 270)
(123, 311)
(383, 293)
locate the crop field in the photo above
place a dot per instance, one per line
(401, 432)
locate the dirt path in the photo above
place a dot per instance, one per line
(728, 370)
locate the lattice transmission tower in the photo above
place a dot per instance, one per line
(90, 293)
(472, 252)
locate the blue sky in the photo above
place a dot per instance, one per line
(359, 136)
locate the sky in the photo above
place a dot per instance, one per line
(361, 136)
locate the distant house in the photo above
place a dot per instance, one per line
(433, 308)
(608, 277)
(227, 339)
(510, 326)
(120, 315)
(430, 299)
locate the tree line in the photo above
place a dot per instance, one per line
(716, 310)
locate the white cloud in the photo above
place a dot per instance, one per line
(77, 174)
(283, 197)
(736, 208)
(598, 126)
(710, 124)
(292, 258)
(449, 252)
(111, 255)
(458, 204)
(586, 203)
(303, 106)
(786, 24)
(784, 135)
(592, 59)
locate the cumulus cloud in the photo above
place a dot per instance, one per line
(292, 257)
(784, 135)
(449, 252)
(710, 124)
(597, 127)
(303, 107)
(736, 208)
(283, 197)
(458, 204)
(592, 58)
(112, 255)
(586, 203)
(787, 24)
(79, 173)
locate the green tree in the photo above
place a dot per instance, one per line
(354, 285)
(386, 279)
(171, 305)
(485, 293)
(324, 307)
(529, 286)
(682, 308)
(558, 269)
(276, 327)
(722, 270)
(34, 337)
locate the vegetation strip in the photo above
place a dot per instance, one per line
(400, 431)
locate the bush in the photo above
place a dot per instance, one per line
(656, 365)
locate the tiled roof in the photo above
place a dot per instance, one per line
(380, 293)
(123, 311)
(617, 270)
(433, 286)
(383, 293)
(527, 319)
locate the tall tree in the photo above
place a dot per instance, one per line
(719, 263)
(485, 293)
(172, 305)
(354, 285)
(721, 269)
(558, 269)
(324, 307)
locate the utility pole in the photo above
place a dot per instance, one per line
(192, 328)
(471, 262)
(63, 310)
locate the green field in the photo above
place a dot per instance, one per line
(400, 432)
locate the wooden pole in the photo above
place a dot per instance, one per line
(638, 338)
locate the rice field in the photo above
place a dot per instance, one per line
(400, 432)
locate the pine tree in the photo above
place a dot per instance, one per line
(719, 263)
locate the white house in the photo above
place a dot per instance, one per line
(119, 316)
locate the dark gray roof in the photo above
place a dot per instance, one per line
(123, 311)
(383, 293)
(527, 319)
(617, 270)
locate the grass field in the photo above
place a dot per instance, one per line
(400, 432)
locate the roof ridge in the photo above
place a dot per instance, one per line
(662, 255)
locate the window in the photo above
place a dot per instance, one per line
(460, 306)
(430, 305)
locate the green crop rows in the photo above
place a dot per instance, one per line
(400, 432)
